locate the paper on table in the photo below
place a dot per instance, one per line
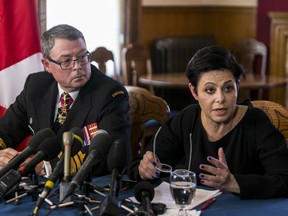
(163, 195)
(173, 212)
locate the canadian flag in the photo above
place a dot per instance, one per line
(20, 50)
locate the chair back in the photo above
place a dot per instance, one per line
(246, 52)
(277, 113)
(135, 62)
(101, 56)
(144, 106)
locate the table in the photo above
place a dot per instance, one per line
(251, 82)
(225, 204)
(229, 204)
(179, 80)
(164, 80)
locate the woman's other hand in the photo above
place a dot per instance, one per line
(147, 167)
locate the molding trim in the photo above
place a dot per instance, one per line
(182, 3)
(279, 52)
(278, 43)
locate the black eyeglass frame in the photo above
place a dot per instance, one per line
(87, 54)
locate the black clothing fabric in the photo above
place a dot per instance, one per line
(255, 151)
(101, 101)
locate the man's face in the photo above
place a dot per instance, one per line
(64, 51)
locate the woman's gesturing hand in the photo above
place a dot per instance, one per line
(220, 176)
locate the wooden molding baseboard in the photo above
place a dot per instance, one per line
(182, 3)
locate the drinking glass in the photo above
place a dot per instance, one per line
(183, 187)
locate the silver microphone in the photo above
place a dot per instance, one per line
(68, 139)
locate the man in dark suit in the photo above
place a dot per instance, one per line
(99, 102)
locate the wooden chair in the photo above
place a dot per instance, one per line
(135, 61)
(250, 52)
(276, 112)
(101, 56)
(246, 52)
(144, 107)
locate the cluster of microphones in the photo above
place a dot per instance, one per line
(44, 146)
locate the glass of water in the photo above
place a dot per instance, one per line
(183, 187)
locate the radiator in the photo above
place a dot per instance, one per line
(172, 54)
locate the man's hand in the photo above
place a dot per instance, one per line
(6, 155)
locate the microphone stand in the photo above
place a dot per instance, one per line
(19, 196)
(111, 205)
(34, 186)
(83, 201)
(82, 198)
(99, 190)
(28, 190)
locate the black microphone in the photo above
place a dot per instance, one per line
(47, 150)
(116, 162)
(98, 149)
(58, 170)
(144, 193)
(68, 138)
(31, 148)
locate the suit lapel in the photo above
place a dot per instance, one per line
(47, 107)
(78, 113)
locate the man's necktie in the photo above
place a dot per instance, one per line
(65, 100)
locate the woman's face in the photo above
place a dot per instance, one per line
(217, 95)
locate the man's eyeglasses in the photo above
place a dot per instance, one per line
(70, 63)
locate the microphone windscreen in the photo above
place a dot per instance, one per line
(144, 187)
(39, 137)
(101, 142)
(117, 156)
(50, 147)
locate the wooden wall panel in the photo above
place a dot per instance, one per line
(227, 24)
(161, 22)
